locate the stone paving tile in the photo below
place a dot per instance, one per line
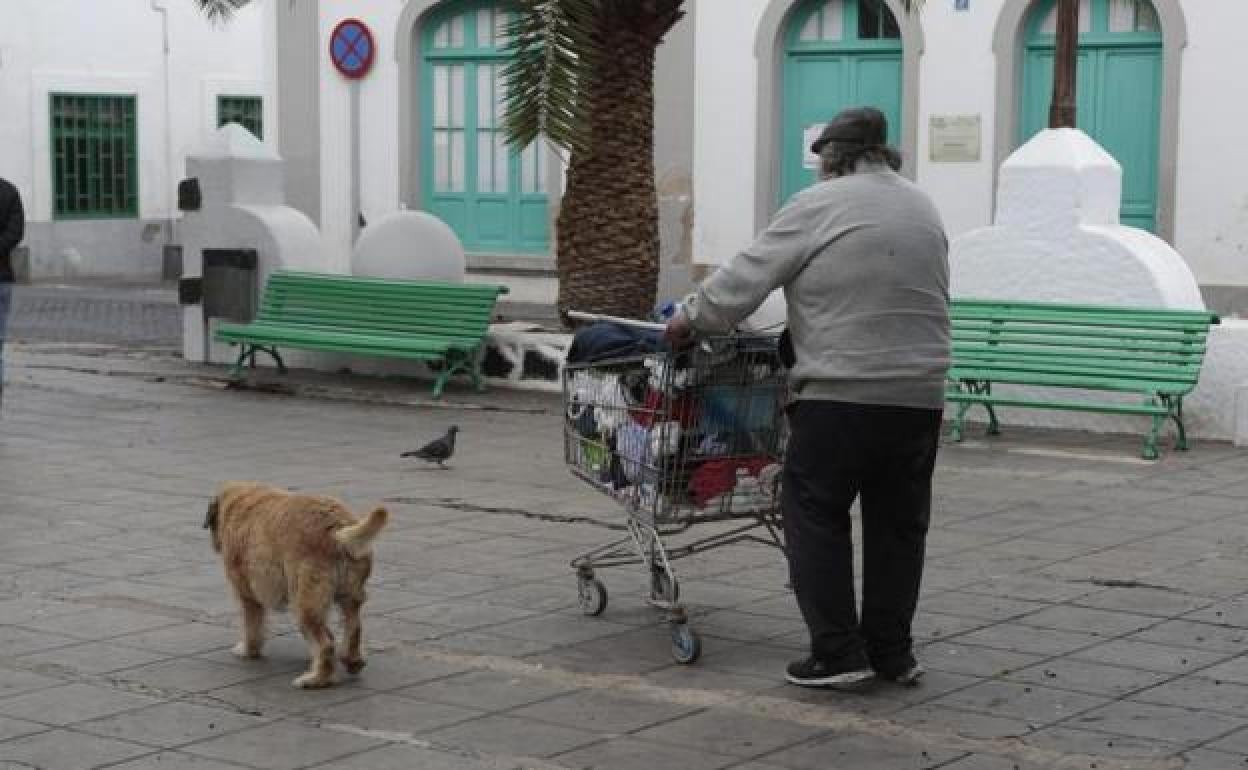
(462, 615)
(91, 658)
(955, 657)
(1096, 622)
(986, 762)
(19, 641)
(601, 712)
(1203, 759)
(630, 754)
(1201, 636)
(282, 746)
(1091, 678)
(1157, 602)
(1180, 726)
(71, 703)
(187, 675)
(729, 732)
(274, 696)
(1151, 657)
(511, 736)
(66, 750)
(970, 724)
(14, 728)
(1066, 740)
(485, 690)
(852, 751)
(405, 757)
(1015, 637)
(16, 681)
(1032, 704)
(988, 608)
(169, 760)
(1199, 693)
(185, 639)
(1234, 743)
(390, 713)
(1234, 670)
(169, 724)
(558, 628)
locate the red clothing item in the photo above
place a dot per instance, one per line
(719, 477)
(683, 410)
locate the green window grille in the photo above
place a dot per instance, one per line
(94, 156)
(247, 111)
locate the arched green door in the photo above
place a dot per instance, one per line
(1119, 90)
(494, 198)
(838, 53)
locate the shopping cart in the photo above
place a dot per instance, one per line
(679, 439)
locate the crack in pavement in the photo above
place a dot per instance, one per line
(456, 504)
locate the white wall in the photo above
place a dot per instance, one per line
(115, 46)
(725, 126)
(1211, 227)
(958, 73)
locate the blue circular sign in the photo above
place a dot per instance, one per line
(352, 49)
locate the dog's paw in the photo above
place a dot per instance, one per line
(311, 681)
(242, 650)
(354, 666)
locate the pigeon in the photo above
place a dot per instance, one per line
(437, 451)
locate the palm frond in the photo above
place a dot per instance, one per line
(553, 45)
(220, 10)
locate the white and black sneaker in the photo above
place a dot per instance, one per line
(906, 672)
(814, 672)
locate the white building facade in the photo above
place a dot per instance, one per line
(965, 83)
(102, 101)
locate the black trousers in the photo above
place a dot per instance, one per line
(838, 452)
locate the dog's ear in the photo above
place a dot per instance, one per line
(210, 520)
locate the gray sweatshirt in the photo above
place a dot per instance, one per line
(863, 260)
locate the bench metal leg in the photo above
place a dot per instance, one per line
(955, 434)
(1150, 443)
(247, 359)
(244, 352)
(1176, 414)
(994, 426)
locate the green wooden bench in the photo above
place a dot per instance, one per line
(440, 323)
(1155, 353)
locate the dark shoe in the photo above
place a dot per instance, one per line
(813, 672)
(905, 671)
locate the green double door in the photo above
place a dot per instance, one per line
(838, 53)
(1119, 92)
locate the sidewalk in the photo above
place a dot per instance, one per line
(1083, 609)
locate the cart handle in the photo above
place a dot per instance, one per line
(576, 315)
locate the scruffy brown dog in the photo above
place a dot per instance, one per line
(307, 552)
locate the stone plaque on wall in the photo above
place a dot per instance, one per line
(955, 138)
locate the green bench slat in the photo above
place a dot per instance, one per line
(276, 332)
(1081, 354)
(1066, 405)
(1180, 345)
(1125, 371)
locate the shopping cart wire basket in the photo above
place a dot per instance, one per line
(682, 440)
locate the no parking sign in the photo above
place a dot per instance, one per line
(352, 49)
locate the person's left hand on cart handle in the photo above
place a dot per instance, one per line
(679, 332)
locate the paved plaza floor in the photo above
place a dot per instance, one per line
(1082, 608)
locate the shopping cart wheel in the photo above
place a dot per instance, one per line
(592, 595)
(662, 586)
(686, 644)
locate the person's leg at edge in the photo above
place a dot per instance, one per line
(896, 512)
(6, 297)
(819, 486)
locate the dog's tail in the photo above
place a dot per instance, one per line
(358, 538)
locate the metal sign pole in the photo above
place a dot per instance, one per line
(355, 160)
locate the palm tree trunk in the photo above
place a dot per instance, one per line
(1062, 110)
(608, 230)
